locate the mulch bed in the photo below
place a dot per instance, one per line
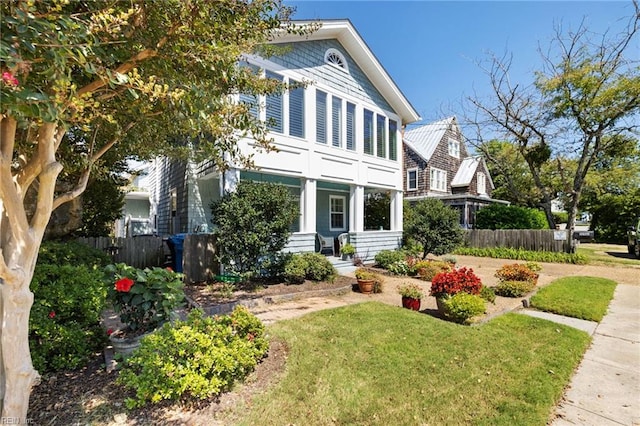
(90, 395)
(211, 294)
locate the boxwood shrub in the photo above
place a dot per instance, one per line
(310, 266)
(461, 307)
(199, 358)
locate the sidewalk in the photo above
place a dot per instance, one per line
(605, 389)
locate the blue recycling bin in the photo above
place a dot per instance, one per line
(178, 245)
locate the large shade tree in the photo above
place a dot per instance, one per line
(82, 78)
(587, 92)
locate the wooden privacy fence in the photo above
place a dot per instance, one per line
(199, 261)
(527, 239)
(139, 251)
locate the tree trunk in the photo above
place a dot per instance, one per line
(17, 375)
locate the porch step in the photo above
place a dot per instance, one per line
(342, 266)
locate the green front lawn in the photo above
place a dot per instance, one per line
(579, 297)
(376, 364)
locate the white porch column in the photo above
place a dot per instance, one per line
(308, 194)
(396, 211)
(356, 208)
(229, 181)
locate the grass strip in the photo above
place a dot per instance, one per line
(371, 364)
(579, 297)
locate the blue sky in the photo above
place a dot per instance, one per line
(430, 47)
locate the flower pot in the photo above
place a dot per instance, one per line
(411, 303)
(127, 344)
(365, 286)
(440, 305)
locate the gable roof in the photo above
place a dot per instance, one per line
(467, 170)
(344, 31)
(423, 140)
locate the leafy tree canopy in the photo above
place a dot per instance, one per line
(433, 225)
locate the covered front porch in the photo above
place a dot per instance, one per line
(327, 209)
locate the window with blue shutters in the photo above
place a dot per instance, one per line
(274, 107)
(381, 137)
(296, 112)
(351, 126)
(250, 100)
(393, 148)
(321, 116)
(336, 121)
(368, 131)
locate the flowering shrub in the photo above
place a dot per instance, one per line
(400, 267)
(144, 298)
(459, 280)
(516, 272)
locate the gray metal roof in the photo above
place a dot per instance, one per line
(465, 173)
(423, 140)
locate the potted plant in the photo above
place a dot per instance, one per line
(446, 284)
(366, 280)
(347, 251)
(144, 299)
(411, 296)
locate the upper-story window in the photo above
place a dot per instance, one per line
(351, 126)
(393, 148)
(454, 148)
(296, 112)
(274, 107)
(321, 116)
(412, 179)
(334, 57)
(336, 121)
(438, 179)
(368, 132)
(482, 183)
(278, 115)
(381, 136)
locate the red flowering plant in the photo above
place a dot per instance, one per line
(144, 298)
(463, 280)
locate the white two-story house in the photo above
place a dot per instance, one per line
(338, 139)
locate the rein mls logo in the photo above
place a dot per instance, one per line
(15, 421)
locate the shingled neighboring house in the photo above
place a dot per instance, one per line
(437, 164)
(338, 140)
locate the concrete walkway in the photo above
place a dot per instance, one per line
(605, 389)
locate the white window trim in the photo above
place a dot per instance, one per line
(344, 66)
(415, 170)
(344, 213)
(455, 154)
(482, 189)
(431, 180)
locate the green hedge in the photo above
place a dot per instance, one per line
(520, 254)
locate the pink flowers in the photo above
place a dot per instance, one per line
(52, 314)
(9, 79)
(124, 285)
